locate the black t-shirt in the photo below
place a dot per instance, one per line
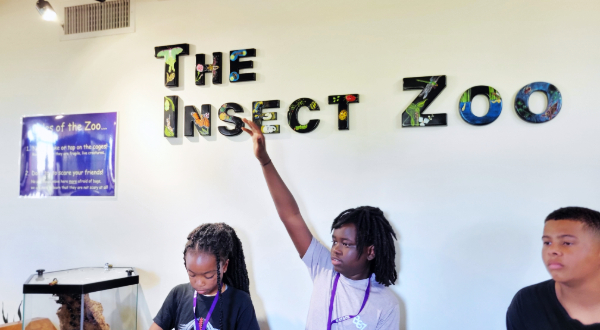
(537, 307)
(177, 310)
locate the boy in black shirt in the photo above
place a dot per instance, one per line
(571, 299)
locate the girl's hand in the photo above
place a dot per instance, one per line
(258, 139)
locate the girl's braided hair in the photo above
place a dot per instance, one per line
(221, 240)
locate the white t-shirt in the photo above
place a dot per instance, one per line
(382, 311)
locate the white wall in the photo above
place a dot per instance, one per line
(467, 202)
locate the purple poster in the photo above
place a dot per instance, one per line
(69, 155)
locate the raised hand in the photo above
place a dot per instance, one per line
(258, 139)
(286, 205)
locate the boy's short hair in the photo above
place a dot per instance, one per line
(589, 217)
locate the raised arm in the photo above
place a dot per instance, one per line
(155, 326)
(286, 205)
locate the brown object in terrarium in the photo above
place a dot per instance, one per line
(11, 326)
(69, 314)
(40, 324)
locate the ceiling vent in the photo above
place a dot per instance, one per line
(98, 19)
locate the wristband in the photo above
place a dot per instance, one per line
(267, 163)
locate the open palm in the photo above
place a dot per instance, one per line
(258, 140)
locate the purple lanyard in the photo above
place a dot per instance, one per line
(347, 317)
(212, 308)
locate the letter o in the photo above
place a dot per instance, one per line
(494, 110)
(554, 102)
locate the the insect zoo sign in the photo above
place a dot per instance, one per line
(413, 116)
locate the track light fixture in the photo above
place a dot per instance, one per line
(45, 9)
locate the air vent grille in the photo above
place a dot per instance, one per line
(97, 17)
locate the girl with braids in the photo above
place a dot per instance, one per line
(350, 283)
(218, 295)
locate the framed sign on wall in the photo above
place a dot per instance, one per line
(69, 155)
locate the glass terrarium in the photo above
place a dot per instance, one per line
(81, 299)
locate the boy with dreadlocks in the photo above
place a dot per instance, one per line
(218, 295)
(350, 282)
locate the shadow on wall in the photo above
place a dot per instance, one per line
(399, 268)
(144, 320)
(147, 280)
(256, 301)
(263, 325)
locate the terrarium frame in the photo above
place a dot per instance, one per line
(115, 287)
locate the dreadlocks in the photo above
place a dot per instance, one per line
(222, 241)
(372, 228)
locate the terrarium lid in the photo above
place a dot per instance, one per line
(80, 280)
